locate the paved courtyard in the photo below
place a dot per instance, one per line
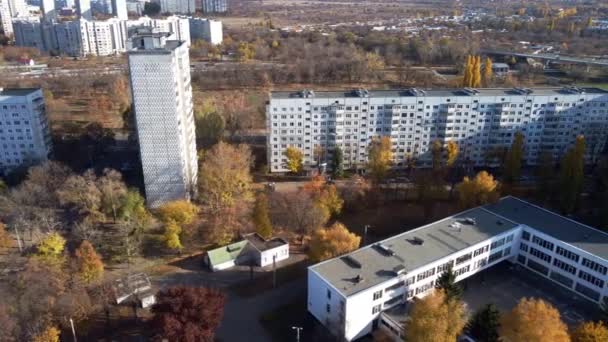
(505, 284)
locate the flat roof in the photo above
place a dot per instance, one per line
(227, 253)
(562, 228)
(440, 239)
(17, 91)
(263, 245)
(412, 92)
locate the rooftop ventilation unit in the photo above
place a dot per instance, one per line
(471, 91)
(361, 92)
(416, 92)
(416, 241)
(469, 220)
(499, 222)
(352, 262)
(456, 226)
(523, 91)
(306, 93)
(358, 279)
(233, 248)
(384, 249)
(399, 270)
(573, 90)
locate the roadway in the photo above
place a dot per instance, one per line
(550, 57)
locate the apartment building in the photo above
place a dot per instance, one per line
(178, 26)
(83, 8)
(206, 29)
(119, 9)
(10, 9)
(25, 137)
(215, 6)
(354, 294)
(162, 99)
(480, 120)
(177, 6)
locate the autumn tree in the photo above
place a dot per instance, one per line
(545, 171)
(6, 241)
(181, 212)
(50, 249)
(435, 318)
(112, 191)
(484, 324)
(338, 163)
(437, 154)
(224, 183)
(452, 150)
(209, 128)
(261, 218)
(512, 166)
(89, 264)
(590, 332)
(81, 194)
(297, 211)
(533, 320)
(380, 157)
(49, 334)
(171, 236)
(447, 283)
(330, 242)
(295, 159)
(480, 190)
(487, 72)
(188, 314)
(571, 175)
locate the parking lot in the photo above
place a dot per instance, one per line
(505, 284)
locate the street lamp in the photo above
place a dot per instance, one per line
(297, 329)
(365, 228)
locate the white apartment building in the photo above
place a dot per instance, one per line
(25, 137)
(119, 9)
(83, 7)
(480, 120)
(358, 292)
(10, 9)
(162, 100)
(215, 6)
(103, 37)
(177, 6)
(206, 29)
(179, 26)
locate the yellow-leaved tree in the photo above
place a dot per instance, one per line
(295, 159)
(50, 249)
(330, 242)
(49, 334)
(90, 266)
(452, 153)
(181, 212)
(6, 241)
(480, 190)
(171, 235)
(380, 157)
(590, 332)
(435, 318)
(487, 72)
(533, 320)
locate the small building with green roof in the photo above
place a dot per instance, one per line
(253, 248)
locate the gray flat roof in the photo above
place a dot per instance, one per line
(562, 228)
(17, 91)
(436, 92)
(440, 240)
(263, 245)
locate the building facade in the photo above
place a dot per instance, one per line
(481, 121)
(215, 6)
(354, 294)
(162, 100)
(206, 29)
(25, 137)
(177, 6)
(83, 8)
(119, 9)
(10, 9)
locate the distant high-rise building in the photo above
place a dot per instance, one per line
(84, 9)
(27, 140)
(119, 9)
(10, 9)
(177, 6)
(162, 100)
(47, 7)
(215, 6)
(206, 29)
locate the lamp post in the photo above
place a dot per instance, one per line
(365, 228)
(297, 329)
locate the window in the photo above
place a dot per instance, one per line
(376, 309)
(377, 295)
(564, 266)
(328, 294)
(494, 256)
(480, 251)
(426, 274)
(592, 265)
(445, 266)
(395, 286)
(328, 308)
(587, 291)
(521, 259)
(525, 235)
(497, 243)
(538, 267)
(425, 287)
(510, 238)
(562, 279)
(462, 270)
(566, 253)
(591, 279)
(523, 247)
(543, 243)
(464, 258)
(410, 281)
(542, 256)
(481, 263)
